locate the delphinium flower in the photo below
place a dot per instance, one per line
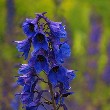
(106, 74)
(93, 50)
(47, 56)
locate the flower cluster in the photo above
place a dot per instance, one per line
(50, 48)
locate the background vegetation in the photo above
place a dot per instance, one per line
(90, 49)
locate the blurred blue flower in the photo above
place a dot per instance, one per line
(15, 103)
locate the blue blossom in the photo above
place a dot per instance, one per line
(27, 97)
(40, 41)
(24, 46)
(25, 68)
(22, 80)
(63, 52)
(29, 27)
(60, 74)
(40, 63)
(58, 30)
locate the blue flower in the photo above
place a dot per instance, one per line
(71, 75)
(40, 63)
(29, 27)
(24, 46)
(57, 74)
(60, 74)
(63, 52)
(25, 68)
(21, 80)
(26, 79)
(40, 41)
(27, 97)
(57, 29)
(49, 51)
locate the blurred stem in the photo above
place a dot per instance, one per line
(52, 94)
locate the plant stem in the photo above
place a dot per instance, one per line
(52, 94)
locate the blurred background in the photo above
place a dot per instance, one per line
(88, 27)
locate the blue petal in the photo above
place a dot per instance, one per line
(37, 44)
(29, 27)
(26, 88)
(61, 74)
(71, 74)
(24, 46)
(25, 68)
(66, 83)
(52, 78)
(58, 57)
(27, 97)
(32, 60)
(65, 50)
(38, 67)
(58, 30)
(21, 81)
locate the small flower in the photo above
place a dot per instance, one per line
(29, 27)
(24, 46)
(40, 41)
(63, 52)
(25, 68)
(58, 30)
(22, 80)
(59, 74)
(40, 63)
(71, 74)
(27, 97)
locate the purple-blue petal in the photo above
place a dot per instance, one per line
(52, 78)
(29, 27)
(24, 46)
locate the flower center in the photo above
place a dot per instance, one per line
(31, 27)
(40, 58)
(55, 69)
(40, 37)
